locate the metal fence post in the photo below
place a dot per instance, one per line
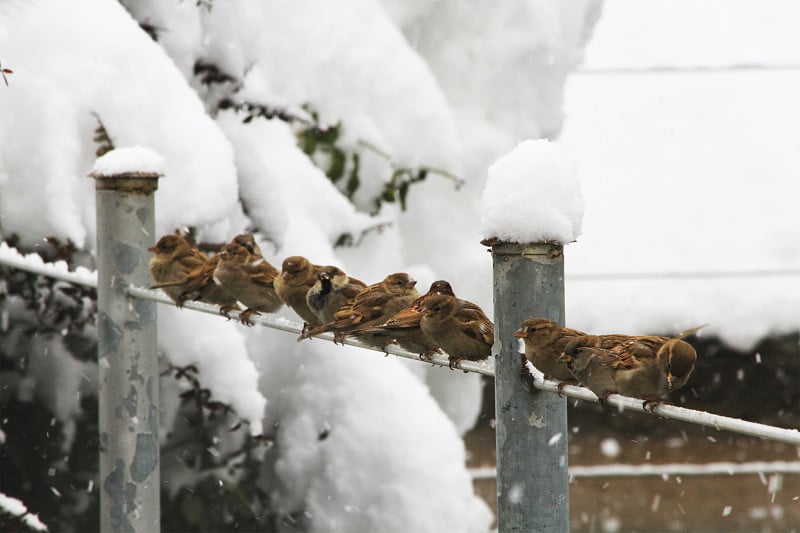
(127, 355)
(531, 430)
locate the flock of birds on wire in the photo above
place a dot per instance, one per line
(393, 312)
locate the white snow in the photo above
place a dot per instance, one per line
(73, 65)
(34, 263)
(689, 33)
(129, 159)
(218, 351)
(387, 478)
(532, 195)
(12, 505)
(610, 448)
(697, 175)
(679, 174)
(17, 508)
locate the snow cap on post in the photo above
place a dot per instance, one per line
(132, 169)
(532, 195)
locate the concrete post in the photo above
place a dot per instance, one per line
(531, 430)
(127, 355)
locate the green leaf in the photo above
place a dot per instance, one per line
(337, 164)
(353, 181)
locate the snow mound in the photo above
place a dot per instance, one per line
(134, 159)
(532, 196)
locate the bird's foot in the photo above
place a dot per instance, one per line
(428, 355)
(650, 404)
(563, 383)
(602, 399)
(244, 316)
(225, 310)
(524, 370)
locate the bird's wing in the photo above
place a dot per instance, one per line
(407, 318)
(263, 274)
(481, 329)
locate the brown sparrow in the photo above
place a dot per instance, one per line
(461, 328)
(646, 367)
(297, 277)
(404, 326)
(199, 283)
(248, 278)
(174, 259)
(544, 343)
(332, 290)
(372, 306)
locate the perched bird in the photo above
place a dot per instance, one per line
(297, 277)
(332, 290)
(174, 259)
(463, 331)
(544, 343)
(404, 327)
(199, 284)
(249, 279)
(372, 306)
(646, 367)
(248, 240)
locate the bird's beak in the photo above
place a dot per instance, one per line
(520, 333)
(153, 249)
(411, 283)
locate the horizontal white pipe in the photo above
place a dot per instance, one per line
(702, 418)
(645, 470)
(480, 367)
(32, 263)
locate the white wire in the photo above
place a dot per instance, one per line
(10, 257)
(663, 470)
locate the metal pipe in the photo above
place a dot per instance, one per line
(531, 430)
(10, 257)
(127, 355)
(665, 470)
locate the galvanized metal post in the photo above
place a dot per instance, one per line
(127, 355)
(531, 430)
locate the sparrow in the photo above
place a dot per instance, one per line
(372, 306)
(248, 240)
(332, 290)
(297, 277)
(544, 343)
(404, 327)
(174, 259)
(461, 328)
(248, 278)
(199, 283)
(645, 367)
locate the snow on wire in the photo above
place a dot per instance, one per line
(34, 264)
